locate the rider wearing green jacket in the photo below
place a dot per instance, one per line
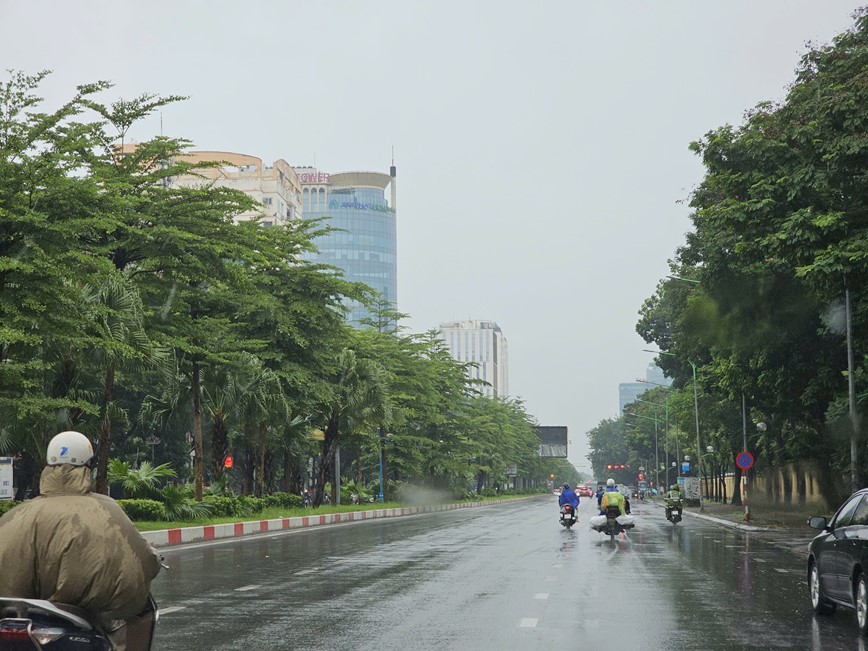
(674, 499)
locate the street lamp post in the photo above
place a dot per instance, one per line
(656, 459)
(695, 410)
(665, 405)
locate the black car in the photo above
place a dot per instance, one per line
(838, 560)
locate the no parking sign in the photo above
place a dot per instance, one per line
(744, 460)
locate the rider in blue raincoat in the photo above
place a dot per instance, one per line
(568, 496)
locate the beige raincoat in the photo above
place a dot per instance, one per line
(75, 547)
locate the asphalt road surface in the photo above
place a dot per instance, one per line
(499, 577)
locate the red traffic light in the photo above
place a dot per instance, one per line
(227, 462)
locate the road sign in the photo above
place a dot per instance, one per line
(744, 460)
(6, 491)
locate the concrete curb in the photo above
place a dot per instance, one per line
(203, 533)
(726, 523)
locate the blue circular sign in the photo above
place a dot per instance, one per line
(744, 460)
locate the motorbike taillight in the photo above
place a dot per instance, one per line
(15, 630)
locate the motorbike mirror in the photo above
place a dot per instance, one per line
(817, 522)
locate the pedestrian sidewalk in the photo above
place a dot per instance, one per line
(785, 524)
(762, 515)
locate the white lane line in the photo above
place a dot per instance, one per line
(541, 595)
(303, 572)
(246, 588)
(171, 609)
(760, 560)
(556, 565)
(781, 570)
(551, 578)
(528, 622)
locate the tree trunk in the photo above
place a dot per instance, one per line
(105, 434)
(197, 431)
(260, 459)
(219, 444)
(736, 487)
(326, 466)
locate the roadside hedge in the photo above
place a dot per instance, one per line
(5, 505)
(142, 510)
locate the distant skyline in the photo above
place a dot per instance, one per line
(542, 147)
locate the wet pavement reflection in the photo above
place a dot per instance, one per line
(499, 577)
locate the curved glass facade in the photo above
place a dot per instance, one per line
(366, 248)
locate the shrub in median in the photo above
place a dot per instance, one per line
(283, 500)
(5, 505)
(142, 510)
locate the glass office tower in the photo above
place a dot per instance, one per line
(366, 246)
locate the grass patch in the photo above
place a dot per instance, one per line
(276, 512)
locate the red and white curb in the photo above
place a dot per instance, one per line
(180, 536)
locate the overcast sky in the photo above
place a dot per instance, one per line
(541, 146)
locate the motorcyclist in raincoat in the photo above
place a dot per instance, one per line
(71, 546)
(612, 497)
(568, 496)
(674, 499)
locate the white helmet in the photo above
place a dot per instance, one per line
(610, 482)
(71, 448)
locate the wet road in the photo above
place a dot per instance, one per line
(499, 577)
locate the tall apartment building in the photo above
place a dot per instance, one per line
(481, 342)
(276, 187)
(366, 246)
(629, 391)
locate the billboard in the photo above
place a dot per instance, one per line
(690, 487)
(552, 441)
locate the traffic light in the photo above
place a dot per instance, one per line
(227, 462)
(641, 477)
(609, 467)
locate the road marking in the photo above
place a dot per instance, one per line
(302, 572)
(760, 560)
(528, 622)
(541, 595)
(556, 565)
(171, 609)
(246, 588)
(781, 570)
(551, 578)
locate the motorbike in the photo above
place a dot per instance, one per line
(568, 516)
(34, 624)
(673, 514)
(612, 523)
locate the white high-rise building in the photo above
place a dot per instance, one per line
(481, 342)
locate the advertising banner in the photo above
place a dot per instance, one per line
(6, 490)
(690, 487)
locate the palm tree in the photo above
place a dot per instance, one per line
(358, 396)
(119, 343)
